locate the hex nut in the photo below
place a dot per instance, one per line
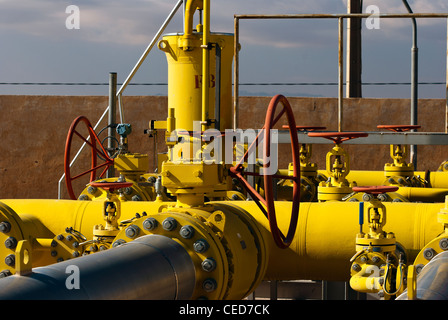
(186, 232)
(11, 243)
(169, 224)
(356, 267)
(10, 260)
(132, 231)
(150, 224)
(209, 285)
(429, 253)
(208, 265)
(443, 244)
(5, 227)
(201, 246)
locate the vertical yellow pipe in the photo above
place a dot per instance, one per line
(205, 64)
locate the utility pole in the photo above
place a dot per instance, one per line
(354, 52)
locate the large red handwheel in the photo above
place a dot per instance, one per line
(398, 128)
(266, 204)
(338, 137)
(111, 186)
(375, 190)
(95, 152)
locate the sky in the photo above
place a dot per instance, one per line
(38, 47)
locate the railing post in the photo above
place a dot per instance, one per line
(112, 118)
(340, 73)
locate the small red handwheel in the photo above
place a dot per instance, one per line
(111, 186)
(95, 152)
(375, 190)
(338, 137)
(266, 204)
(398, 128)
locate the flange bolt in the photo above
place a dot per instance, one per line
(10, 260)
(186, 232)
(5, 227)
(429, 253)
(209, 285)
(169, 224)
(11, 243)
(200, 246)
(208, 265)
(150, 224)
(443, 243)
(132, 231)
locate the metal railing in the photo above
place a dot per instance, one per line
(340, 18)
(124, 85)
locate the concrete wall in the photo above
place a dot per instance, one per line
(33, 131)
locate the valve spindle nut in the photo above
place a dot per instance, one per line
(132, 231)
(10, 260)
(429, 253)
(5, 227)
(11, 243)
(150, 224)
(186, 232)
(169, 224)
(443, 244)
(200, 246)
(208, 265)
(209, 285)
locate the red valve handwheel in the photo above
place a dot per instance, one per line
(111, 186)
(94, 140)
(266, 204)
(375, 189)
(338, 137)
(398, 128)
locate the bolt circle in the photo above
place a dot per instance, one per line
(132, 231)
(169, 224)
(186, 232)
(201, 246)
(150, 224)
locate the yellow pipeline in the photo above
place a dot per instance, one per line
(322, 248)
(436, 179)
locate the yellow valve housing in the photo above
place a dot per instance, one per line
(185, 79)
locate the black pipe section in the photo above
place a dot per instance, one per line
(151, 267)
